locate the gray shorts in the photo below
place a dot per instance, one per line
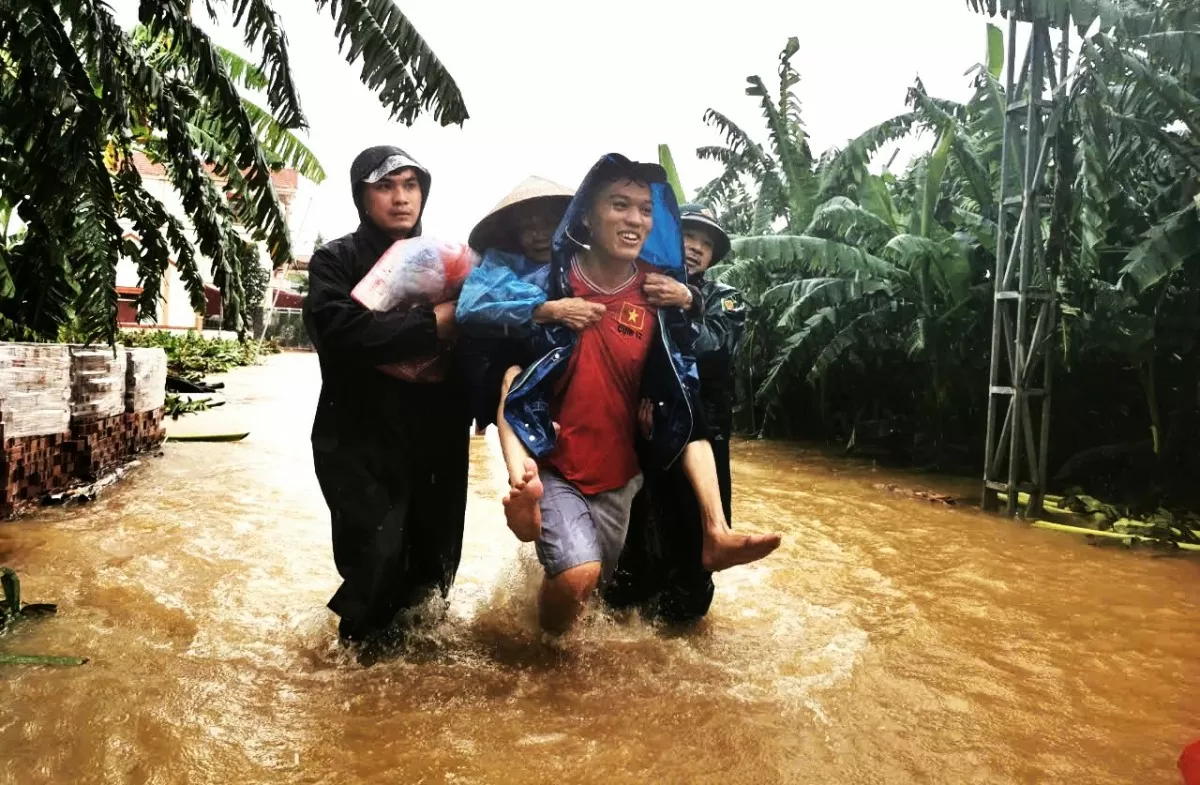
(578, 529)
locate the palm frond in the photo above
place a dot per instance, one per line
(789, 354)
(814, 255)
(71, 217)
(876, 198)
(784, 123)
(260, 24)
(855, 330)
(740, 143)
(931, 184)
(282, 144)
(1163, 250)
(799, 300)
(842, 220)
(981, 229)
(1184, 105)
(397, 63)
(242, 159)
(242, 71)
(848, 167)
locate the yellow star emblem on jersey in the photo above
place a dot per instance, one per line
(633, 316)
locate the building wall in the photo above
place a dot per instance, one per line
(175, 310)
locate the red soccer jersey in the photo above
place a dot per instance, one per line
(596, 401)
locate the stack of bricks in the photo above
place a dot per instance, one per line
(97, 383)
(98, 446)
(34, 466)
(35, 389)
(145, 394)
(145, 379)
(70, 413)
(97, 410)
(35, 394)
(143, 431)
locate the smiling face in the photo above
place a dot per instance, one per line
(536, 221)
(697, 249)
(620, 220)
(393, 203)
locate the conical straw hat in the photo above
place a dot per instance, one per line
(496, 230)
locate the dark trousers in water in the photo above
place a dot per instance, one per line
(660, 569)
(397, 516)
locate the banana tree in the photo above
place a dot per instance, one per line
(865, 285)
(781, 175)
(76, 86)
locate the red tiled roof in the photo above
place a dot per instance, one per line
(285, 179)
(147, 168)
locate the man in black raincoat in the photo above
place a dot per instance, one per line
(391, 456)
(660, 568)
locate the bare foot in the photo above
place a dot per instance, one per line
(729, 549)
(522, 505)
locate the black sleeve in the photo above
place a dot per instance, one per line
(720, 327)
(696, 311)
(338, 324)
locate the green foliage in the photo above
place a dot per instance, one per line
(668, 163)
(12, 611)
(255, 281)
(761, 184)
(396, 61)
(175, 406)
(871, 296)
(81, 96)
(191, 356)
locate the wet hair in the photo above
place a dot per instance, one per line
(620, 172)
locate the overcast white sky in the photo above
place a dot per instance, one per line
(553, 84)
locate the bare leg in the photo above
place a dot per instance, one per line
(522, 507)
(723, 548)
(563, 597)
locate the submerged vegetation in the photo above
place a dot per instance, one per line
(13, 611)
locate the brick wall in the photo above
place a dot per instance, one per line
(69, 415)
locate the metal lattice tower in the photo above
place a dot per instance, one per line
(1024, 313)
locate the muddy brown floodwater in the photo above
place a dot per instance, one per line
(889, 641)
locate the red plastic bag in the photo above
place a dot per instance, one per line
(416, 271)
(1189, 763)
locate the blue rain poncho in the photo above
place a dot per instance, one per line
(500, 295)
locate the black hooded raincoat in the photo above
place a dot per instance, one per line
(391, 456)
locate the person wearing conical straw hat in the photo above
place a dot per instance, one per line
(631, 369)
(505, 296)
(523, 221)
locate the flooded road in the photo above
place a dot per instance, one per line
(889, 641)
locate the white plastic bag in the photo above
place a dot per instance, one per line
(416, 271)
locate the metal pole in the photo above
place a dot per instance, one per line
(989, 492)
(1024, 288)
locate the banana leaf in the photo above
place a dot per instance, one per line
(668, 162)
